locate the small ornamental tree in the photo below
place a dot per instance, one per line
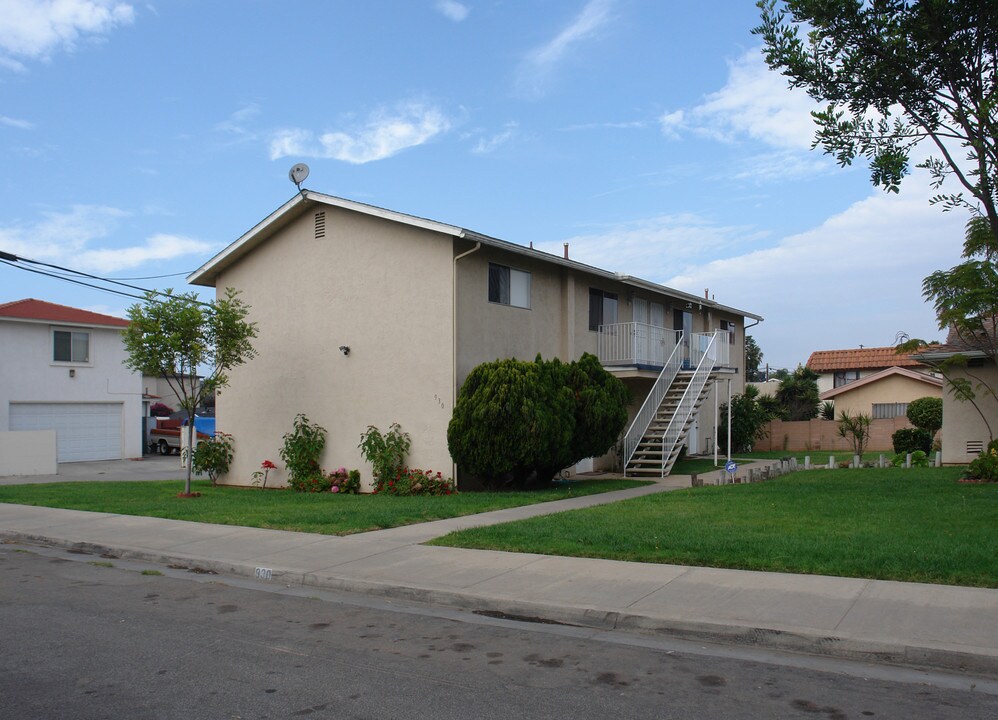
(176, 336)
(856, 429)
(926, 414)
(160, 410)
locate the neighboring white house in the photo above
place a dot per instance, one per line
(61, 368)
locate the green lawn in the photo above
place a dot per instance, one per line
(912, 525)
(282, 509)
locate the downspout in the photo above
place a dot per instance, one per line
(453, 404)
(745, 335)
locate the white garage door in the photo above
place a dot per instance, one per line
(84, 431)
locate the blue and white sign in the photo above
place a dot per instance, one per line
(731, 467)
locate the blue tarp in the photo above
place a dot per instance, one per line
(205, 425)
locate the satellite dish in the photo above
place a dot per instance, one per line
(298, 173)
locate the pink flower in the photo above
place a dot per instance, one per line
(335, 488)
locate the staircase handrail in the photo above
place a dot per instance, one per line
(674, 430)
(652, 402)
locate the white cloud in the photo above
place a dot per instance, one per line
(755, 102)
(452, 10)
(158, 247)
(384, 135)
(854, 279)
(487, 145)
(65, 238)
(16, 123)
(34, 29)
(537, 65)
(653, 247)
(236, 122)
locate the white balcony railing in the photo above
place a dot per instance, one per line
(643, 344)
(635, 344)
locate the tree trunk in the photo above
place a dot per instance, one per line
(189, 460)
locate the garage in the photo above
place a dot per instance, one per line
(84, 431)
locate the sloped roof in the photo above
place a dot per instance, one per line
(40, 310)
(207, 274)
(824, 361)
(971, 346)
(877, 377)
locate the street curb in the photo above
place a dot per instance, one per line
(981, 662)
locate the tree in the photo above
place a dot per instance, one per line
(965, 299)
(926, 414)
(174, 336)
(748, 420)
(855, 428)
(798, 395)
(753, 358)
(895, 73)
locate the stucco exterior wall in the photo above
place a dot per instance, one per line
(29, 375)
(962, 424)
(557, 324)
(28, 452)
(384, 290)
(894, 389)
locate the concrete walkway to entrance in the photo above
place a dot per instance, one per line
(921, 625)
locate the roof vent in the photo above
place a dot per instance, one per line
(320, 224)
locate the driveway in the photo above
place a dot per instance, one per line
(151, 467)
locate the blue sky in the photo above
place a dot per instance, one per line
(140, 138)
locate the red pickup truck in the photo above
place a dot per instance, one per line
(165, 437)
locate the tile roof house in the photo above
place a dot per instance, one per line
(840, 367)
(883, 394)
(967, 427)
(367, 316)
(61, 369)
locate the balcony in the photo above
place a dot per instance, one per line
(647, 347)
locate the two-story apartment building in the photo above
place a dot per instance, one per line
(368, 316)
(61, 368)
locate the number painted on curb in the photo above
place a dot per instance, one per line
(264, 573)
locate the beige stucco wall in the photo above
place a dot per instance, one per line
(557, 323)
(961, 421)
(893, 389)
(381, 288)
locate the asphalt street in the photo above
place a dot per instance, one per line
(86, 636)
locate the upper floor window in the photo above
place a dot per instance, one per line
(70, 346)
(602, 308)
(508, 286)
(729, 327)
(844, 377)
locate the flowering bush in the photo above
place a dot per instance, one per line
(213, 456)
(413, 481)
(985, 465)
(341, 481)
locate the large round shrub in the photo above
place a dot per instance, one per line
(926, 413)
(518, 423)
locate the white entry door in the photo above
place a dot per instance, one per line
(84, 431)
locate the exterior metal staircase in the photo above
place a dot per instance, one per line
(656, 436)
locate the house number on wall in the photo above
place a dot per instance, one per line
(439, 400)
(264, 573)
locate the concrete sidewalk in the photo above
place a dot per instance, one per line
(935, 626)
